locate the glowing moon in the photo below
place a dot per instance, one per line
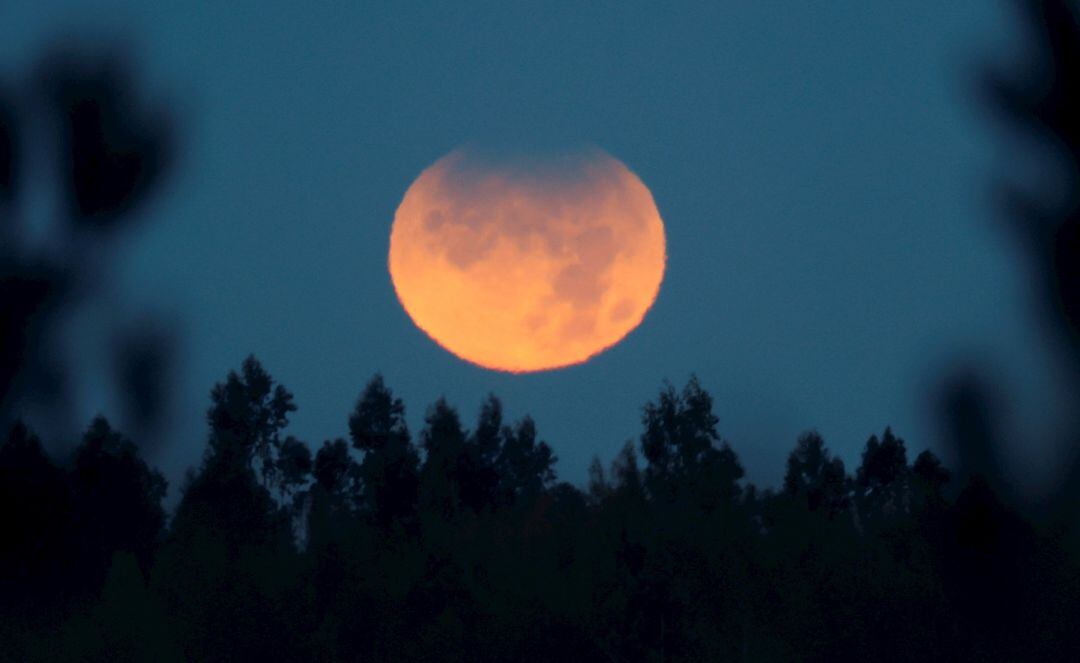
(527, 266)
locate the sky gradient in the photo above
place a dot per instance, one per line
(822, 171)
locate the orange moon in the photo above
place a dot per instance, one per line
(527, 265)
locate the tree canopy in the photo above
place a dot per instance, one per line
(464, 545)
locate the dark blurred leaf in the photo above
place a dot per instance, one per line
(28, 297)
(1046, 100)
(115, 151)
(143, 364)
(8, 143)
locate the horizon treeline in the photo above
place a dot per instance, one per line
(459, 543)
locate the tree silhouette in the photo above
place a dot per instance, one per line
(229, 497)
(524, 466)
(389, 472)
(293, 466)
(882, 479)
(117, 500)
(815, 477)
(681, 444)
(445, 461)
(928, 470)
(672, 559)
(227, 571)
(38, 522)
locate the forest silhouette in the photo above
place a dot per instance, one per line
(458, 541)
(462, 545)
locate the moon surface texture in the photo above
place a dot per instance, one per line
(529, 264)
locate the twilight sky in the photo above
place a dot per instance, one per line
(822, 170)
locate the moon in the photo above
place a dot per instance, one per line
(527, 264)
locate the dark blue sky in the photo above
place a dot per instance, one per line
(822, 169)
